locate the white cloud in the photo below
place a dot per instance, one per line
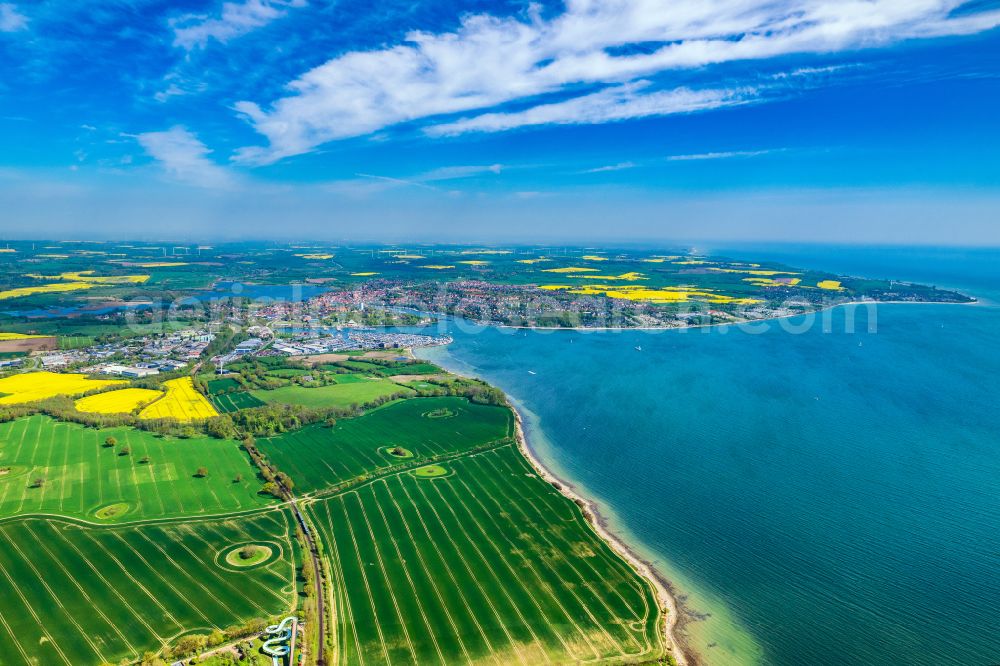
(609, 105)
(235, 20)
(490, 61)
(185, 158)
(718, 156)
(11, 20)
(457, 172)
(621, 166)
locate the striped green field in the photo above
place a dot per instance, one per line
(317, 457)
(77, 594)
(80, 475)
(336, 395)
(487, 564)
(234, 402)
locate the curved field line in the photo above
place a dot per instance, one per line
(516, 499)
(13, 638)
(55, 598)
(165, 581)
(409, 578)
(529, 564)
(500, 582)
(385, 577)
(31, 610)
(187, 575)
(114, 558)
(427, 573)
(342, 591)
(83, 593)
(547, 565)
(107, 583)
(607, 555)
(223, 581)
(364, 576)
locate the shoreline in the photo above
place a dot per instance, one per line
(667, 600)
(663, 589)
(746, 322)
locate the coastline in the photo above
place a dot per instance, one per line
(745, 322)
(668, 602)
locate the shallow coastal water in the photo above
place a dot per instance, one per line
(826, 496)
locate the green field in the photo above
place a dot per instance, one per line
(233, 402)
(317, 457)
(217, 386)
(486, 564)
(337, 395)
(81, 476)
(76, 594)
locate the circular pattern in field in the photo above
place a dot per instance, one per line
(112, 511)
(248, 555)
(431, 472)
(440, 413)
(396, 452)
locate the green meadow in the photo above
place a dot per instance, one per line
(317, 457)
(78, 594)
(486, 564)
(335, 395)
(79, 475)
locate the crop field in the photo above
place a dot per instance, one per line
(317, 457)
(76, 594)
(81, 475)
(217, 386)
(337, 395)
(182, 402)
(122, 401)
(33, 386)
(233, 402)
(487, 563)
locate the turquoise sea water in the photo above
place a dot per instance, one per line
(826, 497)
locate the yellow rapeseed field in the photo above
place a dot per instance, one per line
(661, 296)
(55, 288)
(532, 261)
(771, 282)
(626, 277)
(122, 401)
(4, 337)
(593, 257)
(88, 276)
(182, 402)
(363, 274)
(40, 385)
(751, 271)
(437, 267)
(409, 256)
(162, 264)
(570, 269)
(315, 256)
(831, 285)
(475, 262)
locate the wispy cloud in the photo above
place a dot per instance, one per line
(185, 159)
(11, 20)
(234, 20)
(621, 166)
(490, 61)
(612, 104)
(457, 172)
(724, 155)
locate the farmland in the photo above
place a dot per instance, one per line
(77, 594)
(317, 457)
(40, 385)
(122, 401)
(81, 474)
(337, 395)
(488, 563)
(182, 402)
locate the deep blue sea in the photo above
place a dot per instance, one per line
(819, 496)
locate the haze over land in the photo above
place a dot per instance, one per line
(797, 120)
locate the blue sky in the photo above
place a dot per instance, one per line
(868, 121)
